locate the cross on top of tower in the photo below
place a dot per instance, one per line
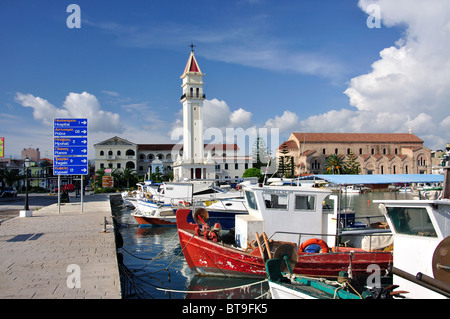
(192, 47)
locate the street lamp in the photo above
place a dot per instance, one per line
(26, 212)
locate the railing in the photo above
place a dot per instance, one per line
(338, 236)
(193, 96)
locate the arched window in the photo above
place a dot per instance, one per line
(129, 153)
(197, 92)
(119, 153)
(102, 153)
(110, 153)
(130, 165)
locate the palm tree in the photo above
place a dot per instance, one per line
(334, 164)
(129, 174)
(98, 177)
(11, 176)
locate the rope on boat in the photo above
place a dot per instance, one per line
(213, 290)
(158, 256)
(328, 282)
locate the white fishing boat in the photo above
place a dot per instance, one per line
(351, 189)
(421, 231)
(160, 208)
(130, 197)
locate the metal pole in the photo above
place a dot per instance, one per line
(431, 284)
(59, 194)
(82, 190)
(26, 190)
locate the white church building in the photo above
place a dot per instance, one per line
(194, 159)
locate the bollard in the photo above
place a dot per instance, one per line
(104, 225)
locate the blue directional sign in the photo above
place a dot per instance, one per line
(70, 131)
(70, 160)
(65, 123)
(70, 151)
(70, 141)
(70, 170)
(70, 146)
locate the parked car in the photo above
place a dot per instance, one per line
(9, 192)
(68, 187)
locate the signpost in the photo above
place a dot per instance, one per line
(70, 150)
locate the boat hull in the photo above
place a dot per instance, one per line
(151, 221)
(151, 214)
(207, 257)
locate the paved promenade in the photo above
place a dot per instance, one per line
(64, 255)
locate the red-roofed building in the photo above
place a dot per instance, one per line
(377, 153)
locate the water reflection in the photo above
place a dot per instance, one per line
(155, 258)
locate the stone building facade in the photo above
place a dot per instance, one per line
(119, 153)
(377, 153)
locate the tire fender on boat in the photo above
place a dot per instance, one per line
(315, 241)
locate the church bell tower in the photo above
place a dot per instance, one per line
(193, 165)
(192, 100)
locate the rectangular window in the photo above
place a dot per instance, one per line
(411, 221)
(275, 201)
(251, 200)
(305, 202)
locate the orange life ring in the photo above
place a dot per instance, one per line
(316, 241)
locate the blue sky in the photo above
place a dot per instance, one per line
(303, 65)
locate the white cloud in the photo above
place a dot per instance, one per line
(241, 118)
(79, 105)
(287, 122)
(218, 114)
(408, 87)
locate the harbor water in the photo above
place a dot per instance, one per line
(158, 270)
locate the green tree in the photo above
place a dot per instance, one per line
(157, 176)
(10, 176)
(334, 164)
(98, 177)
(285, 162)
(351, 166)
(253, 172)
(259, 152)
(129, 175)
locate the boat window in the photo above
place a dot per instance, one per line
(411, 221)
(305, 202)
(251, 200)
(328, 205)
(275, 201)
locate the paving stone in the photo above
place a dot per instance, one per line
(38, 253)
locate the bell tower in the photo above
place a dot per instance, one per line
(193, 165)
(192, 100)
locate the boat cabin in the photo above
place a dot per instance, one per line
(288, 210)
(419, 226)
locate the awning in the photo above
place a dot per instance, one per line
(381, 179)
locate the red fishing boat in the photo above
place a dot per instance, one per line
(282, 212)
